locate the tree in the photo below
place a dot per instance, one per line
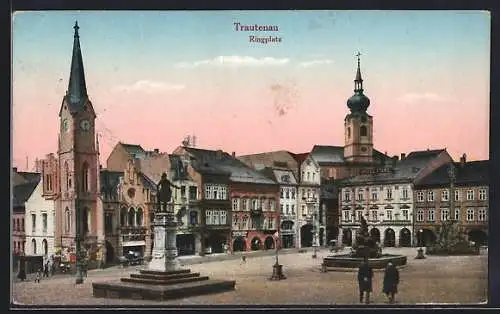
(451, 240)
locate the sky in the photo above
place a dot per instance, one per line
(155, 77)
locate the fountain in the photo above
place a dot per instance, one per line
(364, 248)
(164, 279)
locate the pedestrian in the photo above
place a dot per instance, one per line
(365, 276)
(243, 258)
(46, 270)
(38, 275)
(22, 274)
(391, 281)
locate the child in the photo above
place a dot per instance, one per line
(38, 275)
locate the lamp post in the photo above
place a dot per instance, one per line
(420, 251)
(78, 240)
(315, 235)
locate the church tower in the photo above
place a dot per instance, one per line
(78, 159)
(358, 125)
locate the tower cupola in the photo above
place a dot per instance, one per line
(358, 102)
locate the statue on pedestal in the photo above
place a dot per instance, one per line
(365, 246)
(164, 192)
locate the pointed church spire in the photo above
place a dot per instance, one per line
(358, 82)
(77, 89)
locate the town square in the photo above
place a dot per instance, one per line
(257, 175)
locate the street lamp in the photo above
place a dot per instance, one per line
(78, 239)
(420, 251)
(315, 235)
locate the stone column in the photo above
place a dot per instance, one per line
(353, 236)
(396, 236)
(382, 237)
(340, 236)
(164, 248)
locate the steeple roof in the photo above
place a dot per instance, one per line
(358, 102)
(76, 95)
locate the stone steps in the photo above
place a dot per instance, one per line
(164, 281)
(164, 273)
(163, 276)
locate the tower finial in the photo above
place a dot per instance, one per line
(358, 82)
(76, 28)
(358, 55)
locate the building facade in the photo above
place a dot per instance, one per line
(455, 191)
(384, 197)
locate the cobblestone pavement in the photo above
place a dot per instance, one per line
(450, 279)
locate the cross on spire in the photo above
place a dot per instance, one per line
(358, 82)
(358, 55)
(76, 28)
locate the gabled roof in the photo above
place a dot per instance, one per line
(326, 155)
(219, 162)
(147, 182)
(405, 170)
(22, 192)
(471, 173)
(300, 157)
(30, 176)
(274, 159)
(132, 148)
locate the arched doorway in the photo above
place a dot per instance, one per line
(269, 243)
(185, 244)
(110, 253)
(332, 233)
(375, 234)
(389, 238)
(428, 237)
(256, 244)
(306, 235)
(321, 235)
(405, 238)
(478, 236)
(216, 243)
(239, 244)
(45, 247)
(347, 237)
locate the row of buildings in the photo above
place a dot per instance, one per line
(238, 201)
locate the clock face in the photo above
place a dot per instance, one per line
(65, 125)
(85, 125)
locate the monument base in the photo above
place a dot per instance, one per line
(277, 272)
(420, 254)
(161, 285)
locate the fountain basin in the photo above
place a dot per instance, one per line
(346, 261)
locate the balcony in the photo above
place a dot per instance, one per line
(133, 233)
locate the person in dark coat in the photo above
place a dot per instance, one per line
(391, 281)
(365, 276)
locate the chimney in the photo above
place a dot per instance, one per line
(233, 154)
(14, 169)
(156, 150)
(394, 160)
(463, 160)
(403, 156)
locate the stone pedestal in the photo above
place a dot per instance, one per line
(420, 254)
(165, 247)
(277, 272)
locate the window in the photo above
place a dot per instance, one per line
(131, 216)
(287, 209)
(374, 215)
(420, 215)
(33, 223)
(349, 132)
(282, 192)
(108, 223)
(22, 225)
(244, 204)
(404, 193)
(68, 177)
(363, 131)
(33, 246)
(457, 214)
(235, 204)
(457, 195)
(389, 193)
(293, 209)
(183, 191)
(374, 195)
(254, 204)
(44, 222)
(208, 216)
(308, 176)
(215, 192)
(346, 215)
(281, 208)
(287, 194)
(85, 177)
(482, 195)
(272, 204)
(193, 193)
(235, 222)
(445, 195)
(193, 218)
(359, 215)
(314, 176)
(293, 194)
(245, 223)
(68, 220)
(445, 214)
(388, 214)
(270, 223)
(470, 214)
(303, 210)
(347, 196)
(420, 196)
(430, 196)
(139, 217)
(431, 215)
(470, 195)
(405, 214)
(481, 215)
(360, 195)
(223, 217)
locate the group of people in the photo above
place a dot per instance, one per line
(390, 283)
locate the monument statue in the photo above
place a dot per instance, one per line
(164, 192)
(365, 246)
